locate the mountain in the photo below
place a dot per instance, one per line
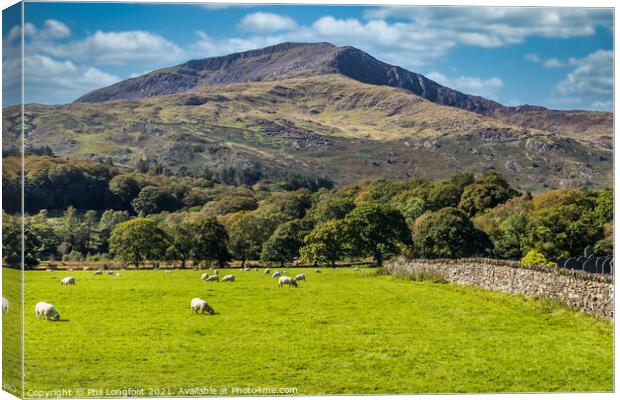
(321, 110)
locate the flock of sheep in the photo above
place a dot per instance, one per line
(199, 306)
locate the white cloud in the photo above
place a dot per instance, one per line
(266, 22)
(547, 63)
(64, 79)
(468, 84)
(593, 75)
(56, 29)
(553, 63)
(500, 26)
(606, 105)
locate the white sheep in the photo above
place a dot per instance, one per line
(246, 269)
(300, 277)
(98, 272)
(49, 270)
(216, 272)
(276, 274)
(204, 276)
(285, 280)
(69, 269)
(118, 274)
(110, 272)
(267, 270)
(356, 269)
(213, 278)
(47, 311)
(228, 278)
(5, 305)
(69, 280)
(86, 268)
(201, 306)
(318, 271)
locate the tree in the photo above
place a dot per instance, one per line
(246, 235)
(376, 230)
(152, 200)
(327, 242)
(12, 243)
(138, 240)
(480, 196)
(283, 245)
(448, 233)
(125, 188)
(409, 204)
(207, 238)
(331, 206)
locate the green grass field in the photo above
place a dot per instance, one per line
(340, 332)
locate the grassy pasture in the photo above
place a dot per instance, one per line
(340, 332)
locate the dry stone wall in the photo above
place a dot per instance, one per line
(592, 293)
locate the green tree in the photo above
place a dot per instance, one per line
(246, 235)
(153, 200)
(138, 240)
(376, 230)
(125, 188)
(327, 242)
(481, 196)
(448, 233)
(12, 243)
(207, 238)
(283, 245)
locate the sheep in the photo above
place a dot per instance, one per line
(213, 278)
(318, 271)
(110, 272)
(199, 306)
(167, 271)
(98, 272)
(276, 274)
(118, 274)
(356, 269)
(69, 269)
(216, 272)
(69, 280)
(228, 278)
(285, 280)
(5, 305)
(47, 311)
(204, 276)
(255, 269)
(246, 269)
(300, 277)
(86, 268)
(49, 270)
(267, 270)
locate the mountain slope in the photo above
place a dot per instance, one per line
(327, 125)
(294, 60)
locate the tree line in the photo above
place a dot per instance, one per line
(181, 219)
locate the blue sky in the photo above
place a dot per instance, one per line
(555, 57)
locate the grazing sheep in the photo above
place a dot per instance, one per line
(118, 274)
(318, 271)
(201, 306)
(47, 311)
(98, 272)
(267, 270)
(276, 274)
(69, 280)
(5, 305)
(213, 278)
(216, 272)
(110, 272)
(204, 276)
(195, 269)
(300, 277)
(49, 270)
(228, 278)
(86, 268)
(246, 269)
(69, 269)
(285, 280)
(356, 269)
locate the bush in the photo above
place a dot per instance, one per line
(534, 257)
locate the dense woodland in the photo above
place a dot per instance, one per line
(84, 210)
